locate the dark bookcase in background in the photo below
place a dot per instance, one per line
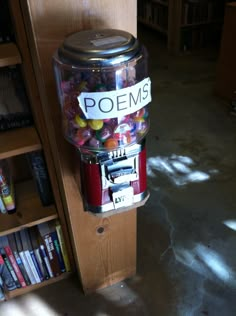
(188, 25)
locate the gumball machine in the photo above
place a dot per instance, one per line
(104, 91)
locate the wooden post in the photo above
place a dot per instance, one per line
(225, 86)
(174, 26)
(104, 248)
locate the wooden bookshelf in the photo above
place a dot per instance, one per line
(165, 3)
(33, 287)
(19, 141)
(30, 210)
(9, 55)
(154, 26)
(120, 230)
(154, 14)
(15, 143)
(188, 25)
(200, 23)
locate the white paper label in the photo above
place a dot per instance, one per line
(116, 103)
(108, 40)
(123, 198)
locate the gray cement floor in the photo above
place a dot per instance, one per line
(187, 230)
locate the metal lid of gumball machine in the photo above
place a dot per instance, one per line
(99, 48)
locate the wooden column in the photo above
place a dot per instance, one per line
(225, 86)
(174, 26)
(103, 256)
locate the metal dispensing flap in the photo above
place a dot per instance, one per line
(106, 47)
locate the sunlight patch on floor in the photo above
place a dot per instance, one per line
(230, 223)
(121, 295)
(207, 263)
(29, 305)
(179, 169)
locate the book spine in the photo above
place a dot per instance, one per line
(27, 267)
(41, 264)
(15, 266)
(63, 248)
(41, 176)
(6, 276)
(52, 255)
(2, 294)
(58, 250)
(10, 269)
(32, 266)
(36, 264)
(22, 268)
(2, 206)
(46, 260)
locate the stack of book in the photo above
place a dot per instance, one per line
(202, 11)
(41, 178)
(153, 12)
(14, 107)
(31, 256)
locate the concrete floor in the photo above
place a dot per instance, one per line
(187, 230)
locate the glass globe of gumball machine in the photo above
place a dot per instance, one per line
(104, 91)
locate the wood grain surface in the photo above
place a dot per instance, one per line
(104, 248)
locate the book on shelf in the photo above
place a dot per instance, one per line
(12, 243)
(33, 256)
(14, 107)
(44, 256)
(2, 293)
(7, 281)
(63, 246)
(153, 12)
(2, 206)
(198, 11)
(5, 244)
(35, 241)
(6, 30)
(26, 248)
(24, 257)
(56, 243)
(9, 267)
(41, 176)
(45, 232)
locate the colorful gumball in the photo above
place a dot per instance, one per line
(94, 143)
(96, 124)
(65, 86)
(132, 126)
(111, 144)
(100, 87)
(113, 122)
(82, 136)
(123, 139)
(124, 119)
(139, 113)
(104, 133)
(82, 87)
(122, 128)
(145, 116)
(141, 125)
(79, 121)
(69, 110)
